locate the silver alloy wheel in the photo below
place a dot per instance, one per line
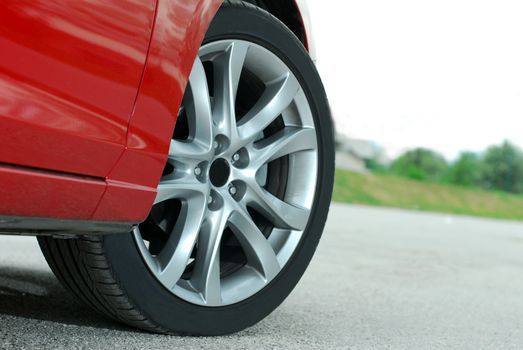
(220, 172)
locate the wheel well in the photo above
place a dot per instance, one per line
(286, 11)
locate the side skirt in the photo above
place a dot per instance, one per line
(11, 225)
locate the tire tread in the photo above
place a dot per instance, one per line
(81, 266)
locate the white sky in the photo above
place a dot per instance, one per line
(444, 74)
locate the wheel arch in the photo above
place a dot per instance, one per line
(295, 15)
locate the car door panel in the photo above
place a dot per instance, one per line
(69, 75)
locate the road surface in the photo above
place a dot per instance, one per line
(381, 279)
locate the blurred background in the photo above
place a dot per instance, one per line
(427, 99)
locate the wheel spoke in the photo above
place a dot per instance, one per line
(206, 275)
(282, 214)
(182, 188)
(257, 248)
(228, 69)
(175, 255)
(277, 96)
(287, 141)
(181, 150)
(198, 107)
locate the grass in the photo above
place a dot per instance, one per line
(393, 191)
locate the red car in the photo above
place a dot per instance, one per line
(175, 158)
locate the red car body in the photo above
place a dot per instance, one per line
(89, 94)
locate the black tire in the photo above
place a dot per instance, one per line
(108, 272)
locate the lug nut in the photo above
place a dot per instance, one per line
(197, 171)
(215, 144)
(232, 190)
(209, 200)
(235, 157)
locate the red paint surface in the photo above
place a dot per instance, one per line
(69, 73)
(125, 202)
(26, 192)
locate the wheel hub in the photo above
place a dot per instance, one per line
(219, 172)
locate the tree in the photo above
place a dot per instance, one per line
(503, 168)
(466, 171)
(420, 164)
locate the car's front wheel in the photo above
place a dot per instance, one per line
(243, 199)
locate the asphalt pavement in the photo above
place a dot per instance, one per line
(381, 279)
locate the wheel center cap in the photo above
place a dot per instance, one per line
(219, 172)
